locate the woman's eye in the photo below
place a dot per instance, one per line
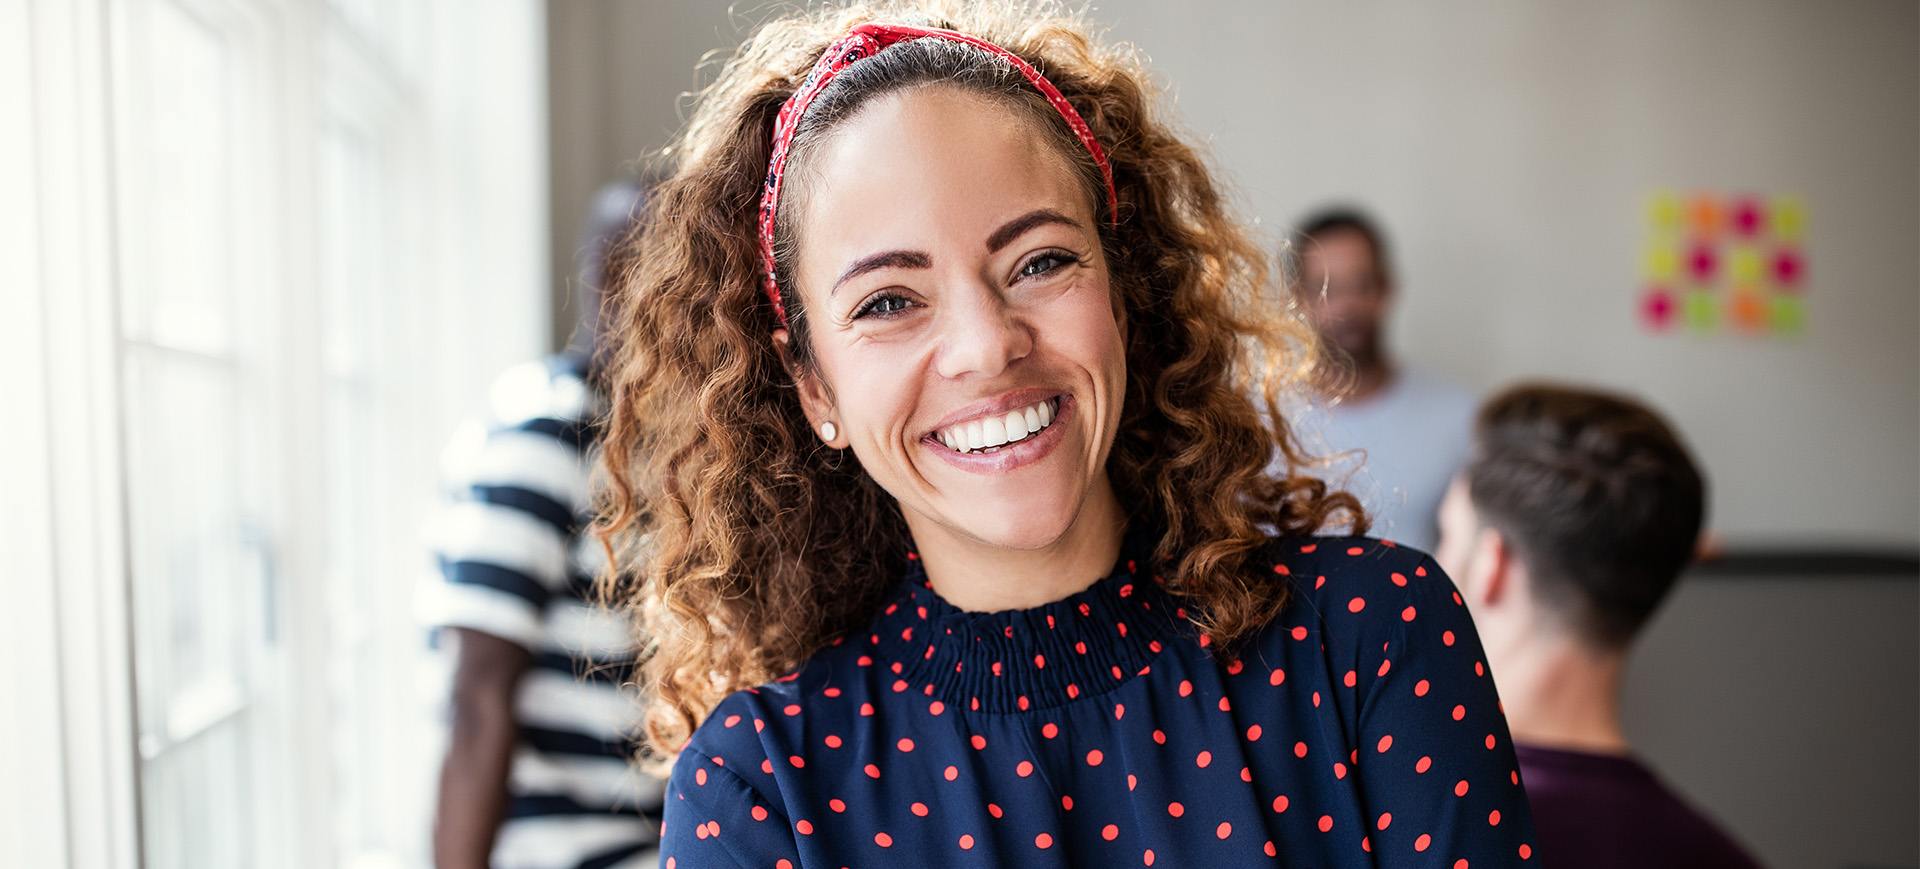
(883, 305)
(1046, 262)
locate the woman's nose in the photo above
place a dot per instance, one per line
(981, 335)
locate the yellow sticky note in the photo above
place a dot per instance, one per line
(1745, 265)
(1659, 262)
(1663, 214)
(1789, 217)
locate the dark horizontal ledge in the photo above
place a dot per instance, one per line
(1811, 561)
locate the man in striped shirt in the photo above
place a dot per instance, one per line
(537, 774)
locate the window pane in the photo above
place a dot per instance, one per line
(198, 557)
(377, 713)
(196, 591)
(351, 280)
(179, 235)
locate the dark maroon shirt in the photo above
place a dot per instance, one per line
(1603, 812)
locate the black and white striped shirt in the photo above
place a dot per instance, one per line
(517, 565)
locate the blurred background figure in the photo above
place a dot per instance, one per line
(1574, 518)
(1395, 434)
(537, 772)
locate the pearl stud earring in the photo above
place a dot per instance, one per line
(828, 432)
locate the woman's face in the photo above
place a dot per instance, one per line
(965, 344)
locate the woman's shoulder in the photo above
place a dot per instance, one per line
(1347, 557)
(754, 722)
(1356, 586)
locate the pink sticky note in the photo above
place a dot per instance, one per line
(1656, 308)
(1788, 267)
(1748, 216)
(1701, 263)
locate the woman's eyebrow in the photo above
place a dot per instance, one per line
(913, 259)
(892, 259)
(1021, 225)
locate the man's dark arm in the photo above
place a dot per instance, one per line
(473, 779)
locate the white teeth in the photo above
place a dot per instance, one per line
(1016, 427)
(993, 432)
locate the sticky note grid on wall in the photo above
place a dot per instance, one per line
(1724, 264)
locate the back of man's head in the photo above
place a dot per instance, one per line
(1596, 495)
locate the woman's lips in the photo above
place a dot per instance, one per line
(1010, 455)
(995, 431)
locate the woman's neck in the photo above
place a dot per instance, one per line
(978, 576)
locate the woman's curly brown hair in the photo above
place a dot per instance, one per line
(743, 546)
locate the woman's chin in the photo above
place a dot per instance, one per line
(1021, 524)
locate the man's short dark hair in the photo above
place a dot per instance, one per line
(1330, 221)
(1598, 497)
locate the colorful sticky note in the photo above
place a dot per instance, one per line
(1747, 310)
(1700, 310)
(1704, 216)
(1663, 214)
(1744, 265)
(1789, 217)
(1789, 314)
(1656, 308)
(1702, 261)
(1659, 263)
(1748, 217)
(1788, 268)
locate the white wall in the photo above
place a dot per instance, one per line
(1508, 147)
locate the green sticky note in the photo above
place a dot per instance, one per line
(1789, 314)
(1700, 310)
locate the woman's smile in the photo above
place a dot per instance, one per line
(993, 442)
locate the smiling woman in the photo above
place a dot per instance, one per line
(954, 431)
(990, 300)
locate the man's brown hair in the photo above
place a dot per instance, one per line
(1596, 494)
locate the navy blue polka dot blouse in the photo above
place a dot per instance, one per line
(1360, 728)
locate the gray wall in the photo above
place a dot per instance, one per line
(1508, 145)
(1790, 710)
(619, 69)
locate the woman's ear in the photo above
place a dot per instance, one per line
(816, 399)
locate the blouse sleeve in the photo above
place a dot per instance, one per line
(1440, 780)
(714, 819)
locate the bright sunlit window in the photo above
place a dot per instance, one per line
(263, 258)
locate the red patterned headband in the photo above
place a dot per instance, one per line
(866, 40)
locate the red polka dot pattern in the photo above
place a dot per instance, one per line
(1100, 730)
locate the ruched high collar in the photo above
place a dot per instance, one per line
(1014, 660)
